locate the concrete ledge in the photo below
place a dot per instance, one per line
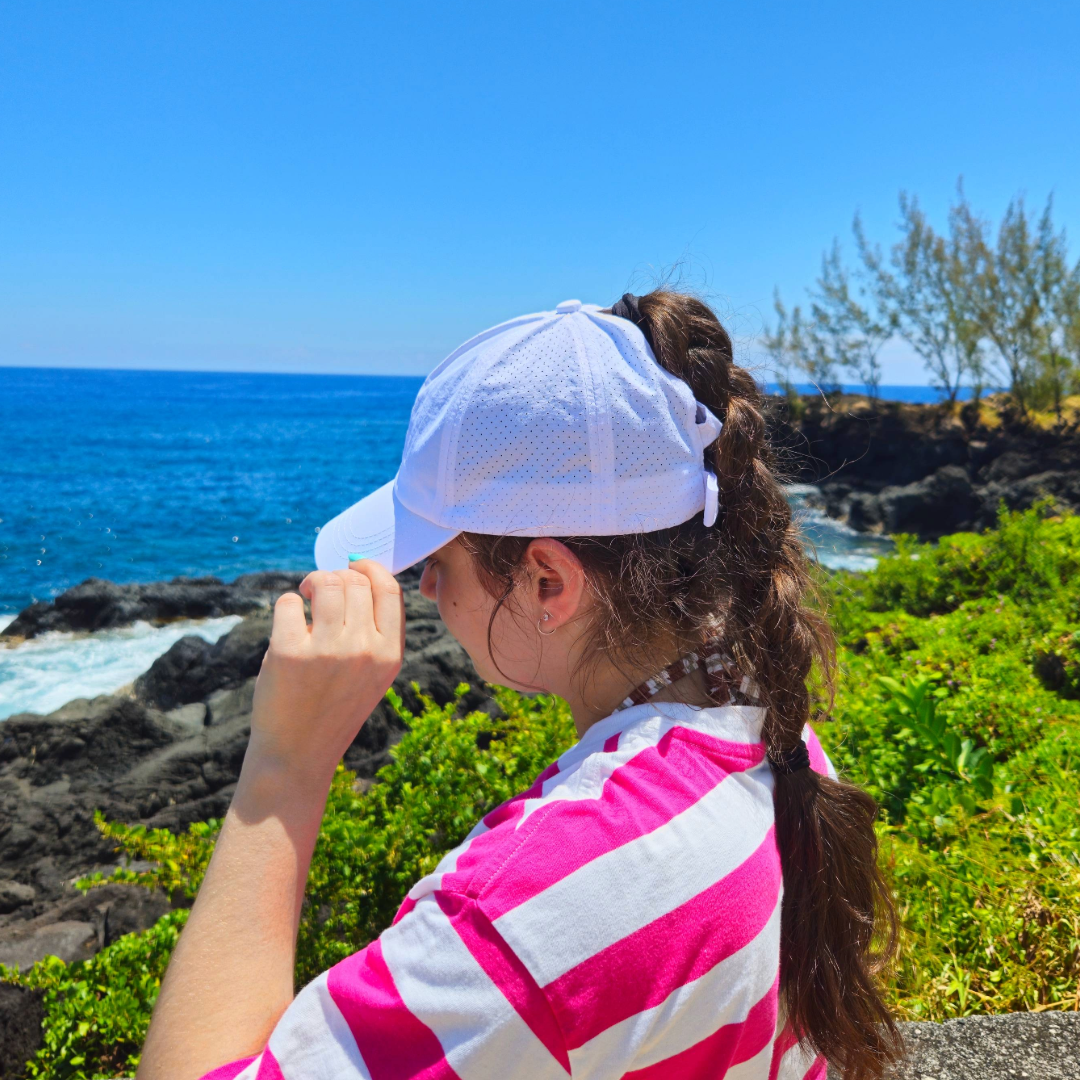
(1013, 1046)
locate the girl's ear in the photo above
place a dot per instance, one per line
(556, 580)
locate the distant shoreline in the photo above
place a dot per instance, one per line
(912, 393)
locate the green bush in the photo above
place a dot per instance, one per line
(97, 1010)
(957, 709)
(1028, 558)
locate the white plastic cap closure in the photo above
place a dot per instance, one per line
(560, 423)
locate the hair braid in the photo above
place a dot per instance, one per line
(834, 895)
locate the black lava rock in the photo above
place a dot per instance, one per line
(194, 668)
(21, 1016)
(941, 503)
(896, 467)
(103, 605)
(166, 757)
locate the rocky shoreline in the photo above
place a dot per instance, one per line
(164, 753)
(96, 604)
(893, 467)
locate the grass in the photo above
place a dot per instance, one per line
(958, 708)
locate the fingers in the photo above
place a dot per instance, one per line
(364, 597)
(290, 623)
(388, 604)
(326, 590)
(306, 586)
(359, 615)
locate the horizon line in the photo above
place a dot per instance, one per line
(810, 388)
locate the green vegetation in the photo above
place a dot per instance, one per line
(971, 743)
(375, 842)
(958, 709)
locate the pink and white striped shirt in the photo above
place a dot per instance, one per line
(620, 918)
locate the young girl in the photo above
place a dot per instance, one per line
(688, 892)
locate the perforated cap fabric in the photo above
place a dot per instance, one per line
(560, 423)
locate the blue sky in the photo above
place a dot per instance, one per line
(352, 187)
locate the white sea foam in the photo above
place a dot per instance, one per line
(831, 542)
(46, 672)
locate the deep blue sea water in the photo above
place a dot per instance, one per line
(919, 395)
(144, 475)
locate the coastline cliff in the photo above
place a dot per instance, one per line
(929, 470)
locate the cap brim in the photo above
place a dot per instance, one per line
(379, 527)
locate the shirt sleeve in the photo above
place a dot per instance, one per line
(440, 995)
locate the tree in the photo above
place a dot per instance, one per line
(923, 295)
(846, 324)
(1060, 360)
(976, 308)
(842, 333)
(1017, 289)
(793, 345)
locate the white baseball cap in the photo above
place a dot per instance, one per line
(560, 423)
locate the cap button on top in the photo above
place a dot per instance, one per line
(568, 306)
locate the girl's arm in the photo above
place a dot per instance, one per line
(230, 978)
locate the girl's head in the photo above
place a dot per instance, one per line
(637, 600)
(609, 507)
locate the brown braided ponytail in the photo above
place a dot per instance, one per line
(834, 894)
(666, 592)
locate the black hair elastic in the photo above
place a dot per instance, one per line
(791, 760)
(628, 306)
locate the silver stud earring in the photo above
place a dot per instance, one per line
(545, 633)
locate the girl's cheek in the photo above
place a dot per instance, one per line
(466, 622)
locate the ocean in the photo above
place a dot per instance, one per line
(146, 475)
(915, 395)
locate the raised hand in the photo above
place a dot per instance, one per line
(320, 682)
